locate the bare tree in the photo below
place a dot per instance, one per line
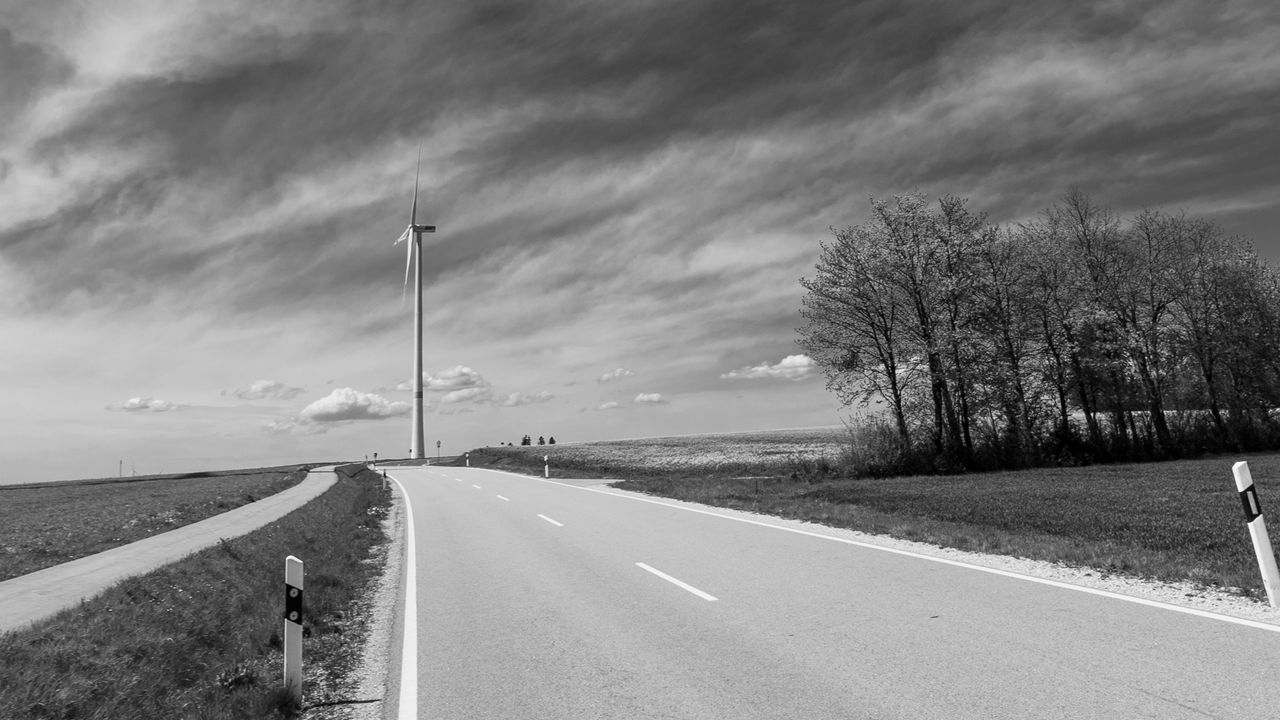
(991, 343)
(855, 327)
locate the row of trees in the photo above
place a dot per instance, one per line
(526, 440)
(1077, 337)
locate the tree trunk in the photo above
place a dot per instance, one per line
(1155, 403)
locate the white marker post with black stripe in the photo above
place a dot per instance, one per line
(293, 628)
(546, 466)
(1258, 531)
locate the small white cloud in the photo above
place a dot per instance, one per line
(350, 404)
(294, 427)
(458, 377)
(611, 405)
(267, 390)
(650, 399)
(616, 374)
(791, 367)
(516, 399)
(471, 394)
(140, 403)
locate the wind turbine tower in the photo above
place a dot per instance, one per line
(413, 257)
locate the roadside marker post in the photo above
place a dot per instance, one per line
(293, 628)
(1258, 531)
(467, 457)
(546, 466)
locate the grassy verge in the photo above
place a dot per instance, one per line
(201, 638)
(49, 524)
(1177, 520)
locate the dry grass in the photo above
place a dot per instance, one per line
(759, 452)
(49, 524)
(201, 638)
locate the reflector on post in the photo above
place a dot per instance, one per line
(293, 628)
(1258, 531)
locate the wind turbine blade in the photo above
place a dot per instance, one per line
(403, 236)
(408, 263)
(413, 214)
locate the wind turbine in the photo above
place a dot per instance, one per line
(413, 234)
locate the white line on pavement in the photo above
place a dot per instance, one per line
(504, 498)
(705, 596)
(553, 522)
(408, 704)
(956, 563)
(476, 486)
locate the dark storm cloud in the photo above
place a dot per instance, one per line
(1009, 103)
(633, 81)
(28, 71)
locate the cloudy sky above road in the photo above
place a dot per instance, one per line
(198, 200)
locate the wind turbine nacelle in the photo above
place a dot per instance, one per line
(424, 228)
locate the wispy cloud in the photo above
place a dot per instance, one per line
(650, 399)
(295, 426)
(615, 374)
(517, 399)
(267, 390)
(140, 404)
(469, 394)
(791, 367)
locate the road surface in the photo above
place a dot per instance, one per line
(537, 599)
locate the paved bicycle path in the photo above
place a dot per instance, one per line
(32, 597)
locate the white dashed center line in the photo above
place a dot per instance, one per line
(553, 522)
(476, 486)
(677, 583)
(504, 498)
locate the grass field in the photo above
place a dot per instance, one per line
(776, 452)
(1178, 520)
(201, 638)
(48, 524)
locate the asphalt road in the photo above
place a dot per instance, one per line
(542, 599)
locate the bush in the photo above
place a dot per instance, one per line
(875, 449)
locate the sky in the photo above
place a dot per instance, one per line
(198, 201)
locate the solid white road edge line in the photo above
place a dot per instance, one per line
(553, 522)
(408, 704)
(955, 563)
(504, 498)
(684, 585)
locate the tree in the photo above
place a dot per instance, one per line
(1004, 315)
(542, 440)
(855, 327)
(1154, 335)
(551, 440)
(888, 312)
